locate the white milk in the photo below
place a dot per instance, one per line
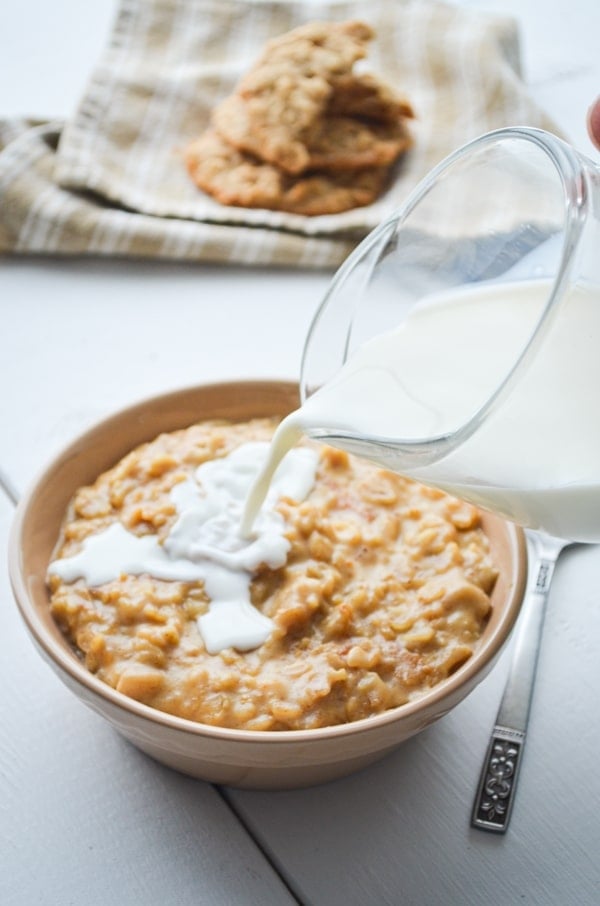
(205, 544)
(536, 458)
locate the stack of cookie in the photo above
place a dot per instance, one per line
(302, 132)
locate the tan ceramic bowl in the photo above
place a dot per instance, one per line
(252, 759)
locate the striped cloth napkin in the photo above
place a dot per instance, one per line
(112, 181)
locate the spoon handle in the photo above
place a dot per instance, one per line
(500, 770)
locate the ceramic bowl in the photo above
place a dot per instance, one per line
(243, 758)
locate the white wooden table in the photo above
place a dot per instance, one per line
(84, 817)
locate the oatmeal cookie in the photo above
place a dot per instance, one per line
(364, 95)
(288, 88)
(236, 178)
(332, 193)
(331, 143)
(344, 143)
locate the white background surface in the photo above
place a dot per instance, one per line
(85, 818)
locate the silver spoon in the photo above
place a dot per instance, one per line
(500, 770)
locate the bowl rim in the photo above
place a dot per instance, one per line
(66, 659)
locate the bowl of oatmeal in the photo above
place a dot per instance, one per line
(361, 607)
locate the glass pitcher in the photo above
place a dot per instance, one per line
(485, 287)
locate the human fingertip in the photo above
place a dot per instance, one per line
(593, 122)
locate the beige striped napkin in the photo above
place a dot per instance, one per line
(112, 182)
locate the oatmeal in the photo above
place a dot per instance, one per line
(382, 592)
